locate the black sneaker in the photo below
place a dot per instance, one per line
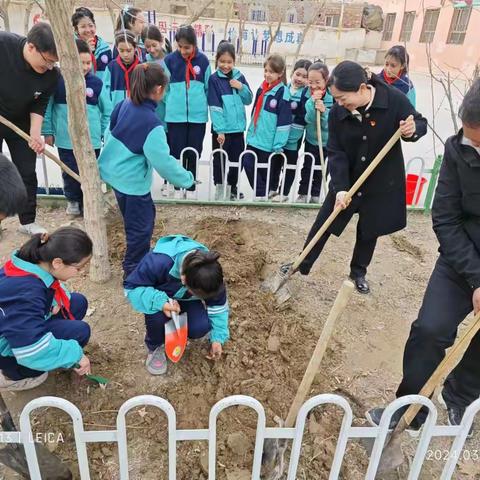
(455, 414)
(361, 285)
(374, 417)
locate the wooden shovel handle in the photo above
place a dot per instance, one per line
(320, 151)
(361, 180)
(47, 153)
(444, 368)
(339, 306)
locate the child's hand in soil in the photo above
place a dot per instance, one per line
(215, 351)
(84, 368)
(170, 307)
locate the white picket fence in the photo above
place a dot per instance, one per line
(296, 434)
(206, 192)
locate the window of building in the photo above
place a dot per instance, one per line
(258, 15)
(459, 25)
(178, 9)
(429, 25)
(332, 20)
(388, 27)
(291, 16)
(407, 27)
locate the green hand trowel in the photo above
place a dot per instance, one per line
(102, 381)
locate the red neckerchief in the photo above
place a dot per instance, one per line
(323, 90)
(258, 106)
(60, 295)
(127, 71)
(389, 80)
(92, 54)
(189, 70)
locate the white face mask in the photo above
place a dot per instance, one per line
(467, 141)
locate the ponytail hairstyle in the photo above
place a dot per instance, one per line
(127, 17)
(187, 33)
(320, 67)
(302, 63)
(152, 32)
(348, 76)
(203, 273)
(145, 77)
(277, 64)
(399, 53)
(224, 47)
(70, 244)
(125, 36)
(469, 112)
(82, 12)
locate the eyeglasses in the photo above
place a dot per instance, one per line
(48, 63)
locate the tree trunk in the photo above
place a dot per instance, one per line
(26, 18)
(59, 13)
(111, 12)
(4, 14)
(227, 20)
(308, 25)
(200, 12)
(274, 36)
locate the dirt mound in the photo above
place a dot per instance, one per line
(265, 359)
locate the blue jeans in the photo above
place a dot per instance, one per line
(61, 329)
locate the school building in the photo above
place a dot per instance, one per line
(450, 30)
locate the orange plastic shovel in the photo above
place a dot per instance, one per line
(176, 334)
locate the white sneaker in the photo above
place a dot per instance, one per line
(314, 199)
(301, 199)
(281, 198)
(31, 229)
(164, 190)
(7, 385)
(272, 194)
(157, 361)
(73, 209)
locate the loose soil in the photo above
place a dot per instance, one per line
(265, 358)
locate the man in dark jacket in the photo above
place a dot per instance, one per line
(27, 79)
(454, 287)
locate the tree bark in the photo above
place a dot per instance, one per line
(26, 18)
(4, 14)
(227, 20)
(59, 13)
(308, 25)
(274, 35)
(111, 12)
(200, 12)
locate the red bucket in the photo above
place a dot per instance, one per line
(412, 181)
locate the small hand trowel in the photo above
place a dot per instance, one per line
(176, 334)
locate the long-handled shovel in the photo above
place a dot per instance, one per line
(13, 454)
(273, 452)
(275, 283)
(392, 456)
(320, 151)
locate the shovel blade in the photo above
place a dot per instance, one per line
(176, 335)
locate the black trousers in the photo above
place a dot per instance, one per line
(447, 301)
(362, 252)
(234, 146)
(25, 160)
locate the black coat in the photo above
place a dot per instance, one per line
(352, 145)
(456, 209)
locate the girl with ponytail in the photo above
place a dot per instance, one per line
(135, 145)
(41, 322)
(179, 275)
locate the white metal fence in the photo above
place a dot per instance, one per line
(206, 191)
(347, 432)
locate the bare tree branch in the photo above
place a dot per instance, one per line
(200, 12)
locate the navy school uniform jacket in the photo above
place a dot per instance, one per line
(297, 104)
(157, 279)
(353, 144)
(227, 104)
(273, 126)
(26, 303)
(135, 144)
(456, 209)
(187, 105)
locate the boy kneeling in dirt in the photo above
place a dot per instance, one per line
(179, 275)
(454, 287)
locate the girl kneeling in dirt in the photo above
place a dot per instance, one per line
(179, 275)
(41, 327)
(365, 116)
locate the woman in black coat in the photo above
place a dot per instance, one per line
(366, 114)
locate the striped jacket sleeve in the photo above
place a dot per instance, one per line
(216, 106)
(246, 92)
(284, 122)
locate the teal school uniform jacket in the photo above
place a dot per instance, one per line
(227, 104)
(311, 120)
(298, 99)
(161, 108)
(99, 109)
